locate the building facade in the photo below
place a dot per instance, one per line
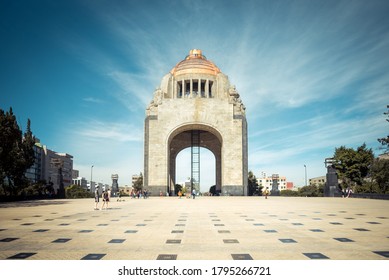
(196, 106)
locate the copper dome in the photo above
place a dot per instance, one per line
(195, 63)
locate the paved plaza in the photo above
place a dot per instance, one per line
(205, 228)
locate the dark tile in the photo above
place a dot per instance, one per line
(224, 231)
(21, 256)
(258, 225)
(297, 224)
(342, 211)
(272, 215)
(10, 239)
(336, 223)
(131, 231)
(37, 216)
(315, 256)
(166, 257)
(284, 219)
(382, 217)
(302, 215)
(316, 230)
(61, 240)
(230, 241)
(270, 230)
(177, 231)
(54, 213)
(332, 215)
(82, 220)
(182, 220)
(317, 219)
(287, 240)
(374, 223)
(173, 241)
(179, 225)
(102, 225)
(241, 257)
(360, 214)
(64, 224)
(93, 257)
(85, 231)
(144, 220)
(48, 220)
(2, 229)
(343, 239)
(249, 220)
(349, 218)
(361, 229)
(219, 225)
(244, 216)
(141, 225)
(41, 230)
(116, 220)
(16, 219)
(216, 220)
(27, 224)
(116, 241)
(382, 253)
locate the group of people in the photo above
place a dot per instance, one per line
(139, 194)
(347, 192)
(105, 196)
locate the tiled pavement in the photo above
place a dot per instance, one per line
(218, 228)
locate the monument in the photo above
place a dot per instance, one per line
(331, 187)
(196, 107)
(115, 185)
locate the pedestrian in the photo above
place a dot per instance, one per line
(105, 197)
(266, 192)
(97, 196)
(194, 193)
(179, 194)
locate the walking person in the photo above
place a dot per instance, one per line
(266, 192)
(194, 193)
(105, 197)
(97, 197)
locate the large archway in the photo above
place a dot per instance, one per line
(181, 138)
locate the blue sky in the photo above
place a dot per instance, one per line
(314, 75)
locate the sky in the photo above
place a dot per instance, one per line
(313, 75)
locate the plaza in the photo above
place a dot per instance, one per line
(205, 228)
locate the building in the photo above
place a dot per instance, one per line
(54, 166)
(317, 181)
(196, 106)
(80, 181)
(50, 166)
(268, 182)
(35, 173)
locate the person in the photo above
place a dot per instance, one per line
(179, 194)
(97, 198)
(194, 193)
(105, 197)
(266, 192)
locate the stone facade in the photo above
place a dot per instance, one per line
(195, 95)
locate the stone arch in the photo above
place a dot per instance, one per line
(180, 139)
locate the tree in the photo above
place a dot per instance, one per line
(16, 153)
(385, 141)
(352, 165)
(138, 184)
(252, 183)
(177, 188)
(380, 174)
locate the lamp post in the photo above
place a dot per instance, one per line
(305, 174)
(91, 172)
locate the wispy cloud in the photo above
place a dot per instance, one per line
(93, 100)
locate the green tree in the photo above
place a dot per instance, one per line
(252, 184)
(385, 141)
(76, 191)
(177, 188)
(138, 184)
(353, 166)
(16, 153)
(380, 174)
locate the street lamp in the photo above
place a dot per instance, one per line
(91, 172)
(305, 174)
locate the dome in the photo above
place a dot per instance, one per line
(195, 63)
